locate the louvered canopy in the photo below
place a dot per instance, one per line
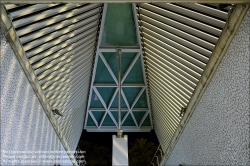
(59, 41)
(178, 41)
(74, 61)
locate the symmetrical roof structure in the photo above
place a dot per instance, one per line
(69, 54)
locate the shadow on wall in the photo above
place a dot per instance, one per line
(27, 136)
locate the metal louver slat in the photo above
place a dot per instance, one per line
(162, 105)
(53, 90)
(173, 99)
(179, 25)
(165, 83)
(60, 86)
(74, 17)
(169, 75)
(78, 84)
(57, 34)
(207, 10)
(12, 6)
(171, 69)
(59, 43)
(62, 25)
(149, 23)
(176, 38)
(57, 58)
(60, 70)
(176, 47)
(182, 19)
(83, 38)
(30, 10)
(194, 15)
(45, 15)
(179, 61)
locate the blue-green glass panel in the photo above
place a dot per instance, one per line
(90, 121)
(102, 74)
(131, 93)
(127, 58)
(115, 114)
(106, 93)
(119, 27)
(146, 121)
(142, 101)
(135, 75)
(129, 121)
(108, 121)
(95, 102)
(138, 115)
(115, 102)
(98, 115)
(112, 60)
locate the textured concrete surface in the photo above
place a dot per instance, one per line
(218, 131)
(25, 128)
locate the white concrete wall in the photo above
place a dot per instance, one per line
(25, 127)
(218, 131)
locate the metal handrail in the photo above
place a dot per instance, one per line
(157, 156)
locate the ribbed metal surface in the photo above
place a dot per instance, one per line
(178, 40)
(60, 41)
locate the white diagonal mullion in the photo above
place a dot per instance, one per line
(100, 97)
(130, 67)
(125, 116)
(112, 99)
(86, 119)
(104, 104)
(137, 97)
(126, 101)
(105, 114)
(93, 118)
(134, 118)
(111, 116)
(108, 67)
(143, 118)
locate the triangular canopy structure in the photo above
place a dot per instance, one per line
(119, 32)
